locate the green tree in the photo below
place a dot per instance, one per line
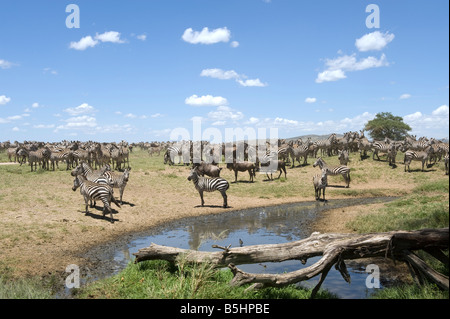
(387, 125)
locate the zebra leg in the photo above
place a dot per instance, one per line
(121, 194)
(323, 192)
(201, 197)
(224, 195)
(107, 207)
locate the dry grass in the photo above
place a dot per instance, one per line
(43, 227)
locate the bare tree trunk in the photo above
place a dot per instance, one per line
(334, 249)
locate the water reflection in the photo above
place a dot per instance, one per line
(268, 225)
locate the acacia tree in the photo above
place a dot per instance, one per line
(387, 125)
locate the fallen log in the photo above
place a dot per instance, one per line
(334, 249)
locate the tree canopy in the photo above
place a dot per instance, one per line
(387, 125)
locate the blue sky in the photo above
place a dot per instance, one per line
(137, 70)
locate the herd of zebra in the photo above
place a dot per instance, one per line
(250, 158)
(94, 176)
(84, 158)
(48, 155)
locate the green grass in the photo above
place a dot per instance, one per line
(163, 280)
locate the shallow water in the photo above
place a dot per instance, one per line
(266, 225)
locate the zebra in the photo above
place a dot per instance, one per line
(117, 180)
(335, 170)
(379, 146)
(205, 184)
(297, 152)
(422, 156)
(65, 155)
(93, 191)
(39, 156)
(173, 151)
(326, 144)
(320, 183)
(343, 157)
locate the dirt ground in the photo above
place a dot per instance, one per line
(42, 237)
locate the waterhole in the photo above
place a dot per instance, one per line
(263, 225)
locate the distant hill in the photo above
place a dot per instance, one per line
(313, 137)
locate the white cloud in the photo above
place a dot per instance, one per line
(374, 41)
(234, 44)
(5, 64)
(35, 105)
(310, 100)
(220, 74)
(205, 36)
(44, 126)
(405, 96)
(435, 124)
(231, 74)
(4, 99)
(156, 115)
(84, 43)
(15, 129)
(205, 100)
(441, 111)
(330, 75)
(109, 36)
(142, 37)
(50, 70)
(223, 113)
(89, 42)
(338, 66)
(81, 109)
(250, 82)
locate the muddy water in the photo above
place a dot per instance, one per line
(267, 225)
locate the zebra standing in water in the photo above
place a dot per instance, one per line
(335, 170)
(204, 184)
(93, 191)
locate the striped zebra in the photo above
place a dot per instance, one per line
(205, 184)
(95, 191)
(92, 175)
(40, 156)
(296, 152)
(334, 170)
(320, 183)
(379, 146)
(117, 180)
(421, 156)
(326, 145)
(177, 150)
(65, 155)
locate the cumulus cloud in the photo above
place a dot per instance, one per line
(374, 41)
(338, 66)
(234, 44)
(4, 99)
(223, 113)
(310, 100)
(405, 96)
(205, 36)
(89, 42)
(83, 44)
(330, 75)
(109, 36)
(205, 100)
(242, 79)
(81, 109)
(435, 124)
(5, 64)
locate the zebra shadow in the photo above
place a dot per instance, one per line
(128, 203)
(213, 206)
(99, 215)
(337, 186)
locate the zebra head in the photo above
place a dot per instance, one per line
(193, 176)
(319, 162)
(77, 182)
